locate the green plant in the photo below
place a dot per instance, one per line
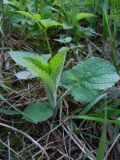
(43, 24)
(111, 28)
(49, 73)
(86, 80)
(24, 16)
(107, 32)
(71, 21)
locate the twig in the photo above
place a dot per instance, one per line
(27, 136)
(9, 154)
(28, 147)
(97, 48)
(64, 155)
(108, 152)
(10, 149)
(78, 142)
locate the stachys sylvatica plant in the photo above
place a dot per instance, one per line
(49, 73)
(86, 81)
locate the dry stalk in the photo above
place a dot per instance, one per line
(27, 136)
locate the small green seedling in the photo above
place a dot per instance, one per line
(43, 24)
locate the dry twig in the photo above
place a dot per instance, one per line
(27, 136)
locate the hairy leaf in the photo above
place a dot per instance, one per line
(38, 112)
(19, 57)
(37, 65)
(48, 72)
(82, 94)
(88, 78)
(57, 63)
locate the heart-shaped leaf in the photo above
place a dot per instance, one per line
(38, 112)
(87, 79)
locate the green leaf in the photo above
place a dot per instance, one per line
(37, 65)
(10, 112)
(97, 119)
(85, 32)
(34, 16)
(82, 94)
(38, 112)
(64, 40)
(46, 56)
(101, 149)
(57, 64)
(49, 23)
(6, 2)
(66, 26)
(19, 57)
(87, 79)
(81, 16)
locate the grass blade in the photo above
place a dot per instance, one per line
(101, 149)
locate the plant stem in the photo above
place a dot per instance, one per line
(45, 33)
(48, 42)
(62, 97)
(27, 136)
